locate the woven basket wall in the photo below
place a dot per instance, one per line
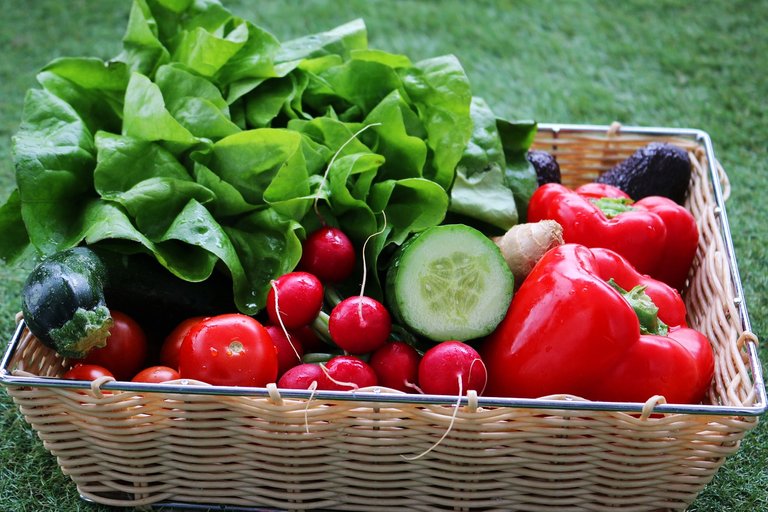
(132, 449)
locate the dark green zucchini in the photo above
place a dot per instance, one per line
(67, 298)
(63, 302)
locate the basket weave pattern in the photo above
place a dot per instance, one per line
(132, 449)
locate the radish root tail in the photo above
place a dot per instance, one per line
(330, 164)
(447, 431)
(273, 283)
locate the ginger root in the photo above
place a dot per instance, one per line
(524, 244)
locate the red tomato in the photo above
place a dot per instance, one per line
(126, 350)
(156, 374)
(86, 372)
(229, 350)
(169, 352)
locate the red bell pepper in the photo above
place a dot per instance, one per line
(572, 328)
(658, 236)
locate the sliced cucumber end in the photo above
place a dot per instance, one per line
(450, 282)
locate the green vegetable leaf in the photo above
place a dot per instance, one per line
(207, 52)
(142, 50)
(15, 238)
(520, 176)
(352, 211)
(268, 245)
(397, 199)
(54, 157)
(480, 191)
(196, 103)
(440, 90)
(145, 116)
(94, 88)
(400, 138)
(123, 162)
(252, 159)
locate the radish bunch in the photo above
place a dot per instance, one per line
(359, 350)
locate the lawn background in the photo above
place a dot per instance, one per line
(649, 63)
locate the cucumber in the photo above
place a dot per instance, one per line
(449, 282)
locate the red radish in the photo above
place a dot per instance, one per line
(359, 324)
(289, 350)
(397, 366)
(309, 339)
(302, 376)
(329, 254)
(445, 364)
(297, 296)
(346, 373)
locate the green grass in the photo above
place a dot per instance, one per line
(662, 63)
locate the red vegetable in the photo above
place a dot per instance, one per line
(657, 236)
(169, 352)
(126, 350)
(329, 254)
(397, 366)
(294, 300)
(340, 373)
(451, 368)
(347, 373)
(302, 376)
(360, 324)
(156, 374)
(289, 348)
(571, 331)
(86, 372)
(229, 350)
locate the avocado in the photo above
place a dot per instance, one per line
(658, 169)
(547, 168)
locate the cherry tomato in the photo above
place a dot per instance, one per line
(86, 372)
(169, 352)
(156, 374)
(298, 299)
(359, 324)
(289, 350)
(229, 350)
(329, 254)
(126, 350)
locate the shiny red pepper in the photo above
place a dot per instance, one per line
(658, 236)
(586, 323)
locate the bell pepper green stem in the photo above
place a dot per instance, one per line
(613, 206)
(647, 312)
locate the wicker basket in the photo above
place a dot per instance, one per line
(242, 448)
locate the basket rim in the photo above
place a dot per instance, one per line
(381, 395)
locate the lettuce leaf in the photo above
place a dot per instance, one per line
(214, 147)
